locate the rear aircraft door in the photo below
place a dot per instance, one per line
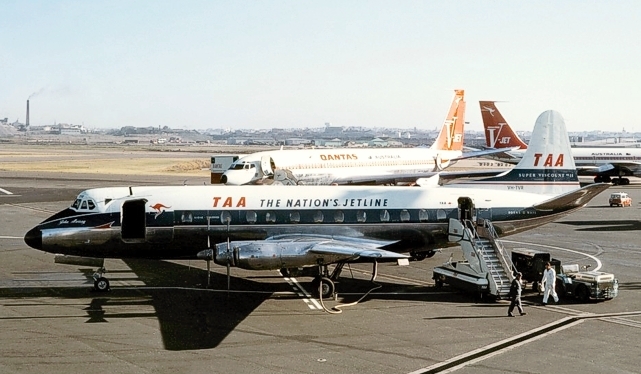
(267, 165)
(466, 210)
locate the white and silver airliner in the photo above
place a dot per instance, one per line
(357, 165)
(603, 163)
(280, 227)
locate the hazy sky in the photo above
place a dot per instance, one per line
(263, 64)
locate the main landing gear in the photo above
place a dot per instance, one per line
(618, 181)
(100, 283)
(323, 284)
(420, 256)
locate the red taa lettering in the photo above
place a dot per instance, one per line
(537, 157)
(229, 202)
(559, 161)
(549, 160)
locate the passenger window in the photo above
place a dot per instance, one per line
(294, 217)
(187, 217)
(225, 217)
(423, 216)
(405, 215)
(339, 216)
(270, 217)
(361, 216)
(318, 216)
(251, 216)
(384, 216)
(441, 215)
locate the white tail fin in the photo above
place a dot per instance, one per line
(450, 138)
(498, 134)
(547, 166)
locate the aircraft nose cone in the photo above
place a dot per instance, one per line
(33, 238)
(223, 179)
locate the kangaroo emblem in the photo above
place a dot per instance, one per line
(159, 208)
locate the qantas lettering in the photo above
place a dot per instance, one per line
(548, 160)
(340, 156)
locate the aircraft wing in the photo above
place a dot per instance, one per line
(419, 178)
(487, 152)
(355, 251)
(593, 170)
(574, 198)
(341, 245)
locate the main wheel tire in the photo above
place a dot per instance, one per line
(419, 256)
(326, 285)
(101, 284)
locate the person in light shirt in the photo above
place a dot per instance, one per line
(549, 282)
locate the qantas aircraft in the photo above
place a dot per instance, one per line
(357, 165)
(604, 163)
(281, 227)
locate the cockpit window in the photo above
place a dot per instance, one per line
(82, 204)
(243, 165)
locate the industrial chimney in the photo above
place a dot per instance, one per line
(27, 124)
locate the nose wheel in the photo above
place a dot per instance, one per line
(100, 283)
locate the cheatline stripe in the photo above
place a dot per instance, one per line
(5, 191)
(547, 183)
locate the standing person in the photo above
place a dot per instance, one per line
(549, 281)
(515, 296)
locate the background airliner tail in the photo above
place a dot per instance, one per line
(498, 134)
(451, 136)
(547, 167)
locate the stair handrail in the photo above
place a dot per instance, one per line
(482, 254)
(506, 261)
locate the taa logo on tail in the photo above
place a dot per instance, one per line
(549, 160)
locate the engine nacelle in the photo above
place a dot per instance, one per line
(270, 255)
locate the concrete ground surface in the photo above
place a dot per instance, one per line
(159, 318)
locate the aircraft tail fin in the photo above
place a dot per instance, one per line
(450, 138)
(547, 167)
(498, 134)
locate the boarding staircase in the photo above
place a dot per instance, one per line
(484, 253)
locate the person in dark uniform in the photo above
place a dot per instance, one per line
(515, 296)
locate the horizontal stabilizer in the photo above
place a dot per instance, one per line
(574, 198)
